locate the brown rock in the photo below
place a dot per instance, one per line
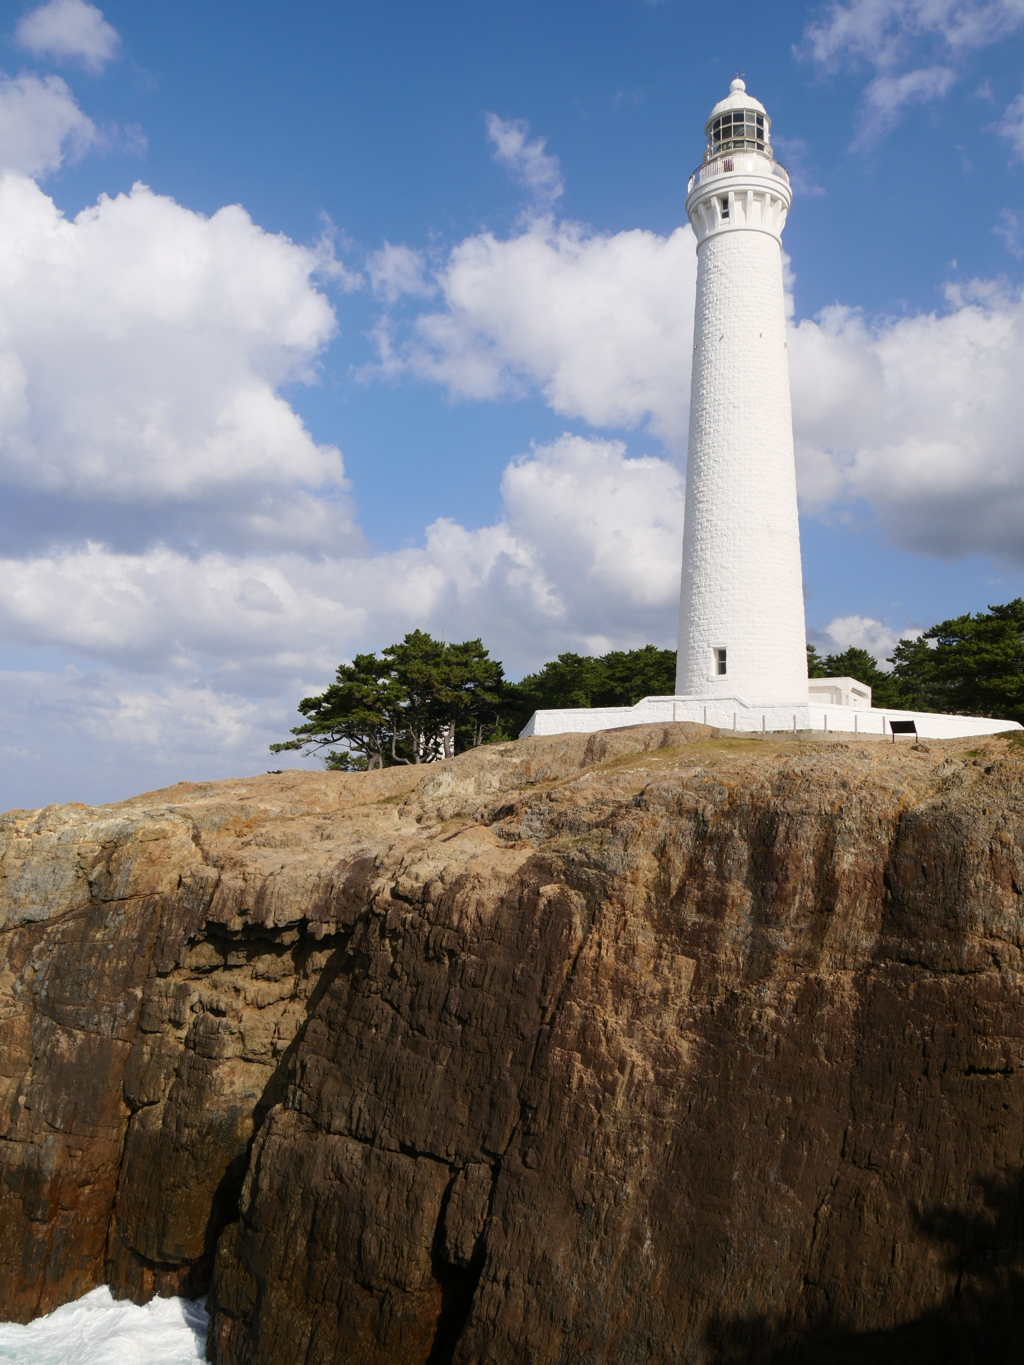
(637, 1047)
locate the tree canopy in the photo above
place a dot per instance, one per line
(851, 663)
(407, 706)
(619, 678)
(423, 699)
(971, 665)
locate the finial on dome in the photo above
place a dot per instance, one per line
(737, 84)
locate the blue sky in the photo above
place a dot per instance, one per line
(431, 370)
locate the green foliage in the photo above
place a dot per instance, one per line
(407, 706)
(971, 665)
(422, 699)
(975, 667)
(816, 666)
(619, 678)
(911, 684)
(854, 663)
(634, 674)
(851, 663)
(344, 761)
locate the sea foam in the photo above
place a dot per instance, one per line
(101, 1330)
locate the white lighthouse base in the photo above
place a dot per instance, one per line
(737, 714)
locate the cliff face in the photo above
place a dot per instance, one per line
(638, 1047)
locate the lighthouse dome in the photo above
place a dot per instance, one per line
(737, 98)
(738, 123)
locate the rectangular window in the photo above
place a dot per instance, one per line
(720, 665)
(725, 208)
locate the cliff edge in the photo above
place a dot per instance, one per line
(638, 1047)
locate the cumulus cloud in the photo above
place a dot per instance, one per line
(530, 166)
(918, 417)
(588, 548)
(173, 529)
(921, 418)
(142, 352)
(862, 632)
(602, 325)
(41, 125)
(585, 556)
(68, 30)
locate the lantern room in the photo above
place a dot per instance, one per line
(738, 124)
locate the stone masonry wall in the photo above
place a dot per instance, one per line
(742, 585)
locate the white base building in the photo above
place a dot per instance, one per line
(820, 713)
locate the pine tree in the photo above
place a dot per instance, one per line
(407, 706)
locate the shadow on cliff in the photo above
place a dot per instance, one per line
(979, 1322)
(224, 1208)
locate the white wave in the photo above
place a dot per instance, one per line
(100, 1330)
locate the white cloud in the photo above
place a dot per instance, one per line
(1010, 226)
(888, 96)
(101, 735)
(917, 416)
(913, 47)
(397, 270)
(862, 632)
(173, 531)
(1011, 126)
(537, 171)
(921, 418)
(41, 125)
(68, 30)
(605, 530)
(588, 547)
(602, 325)
(882, 32)
(585, 557)
(142, 349)
(328, 265)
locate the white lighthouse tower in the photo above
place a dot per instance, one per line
(741, 614)
(742, 662)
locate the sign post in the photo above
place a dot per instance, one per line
(902, 727)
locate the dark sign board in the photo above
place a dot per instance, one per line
(902, 727)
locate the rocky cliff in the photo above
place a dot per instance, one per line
(650, 1046)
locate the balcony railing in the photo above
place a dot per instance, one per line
(748, 163)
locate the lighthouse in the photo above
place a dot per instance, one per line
(742, 661)
(741, 614)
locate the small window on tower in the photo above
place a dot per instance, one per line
(720, 664)
(725, 208)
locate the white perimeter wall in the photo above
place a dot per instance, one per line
(741, 583)
(741, 715)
